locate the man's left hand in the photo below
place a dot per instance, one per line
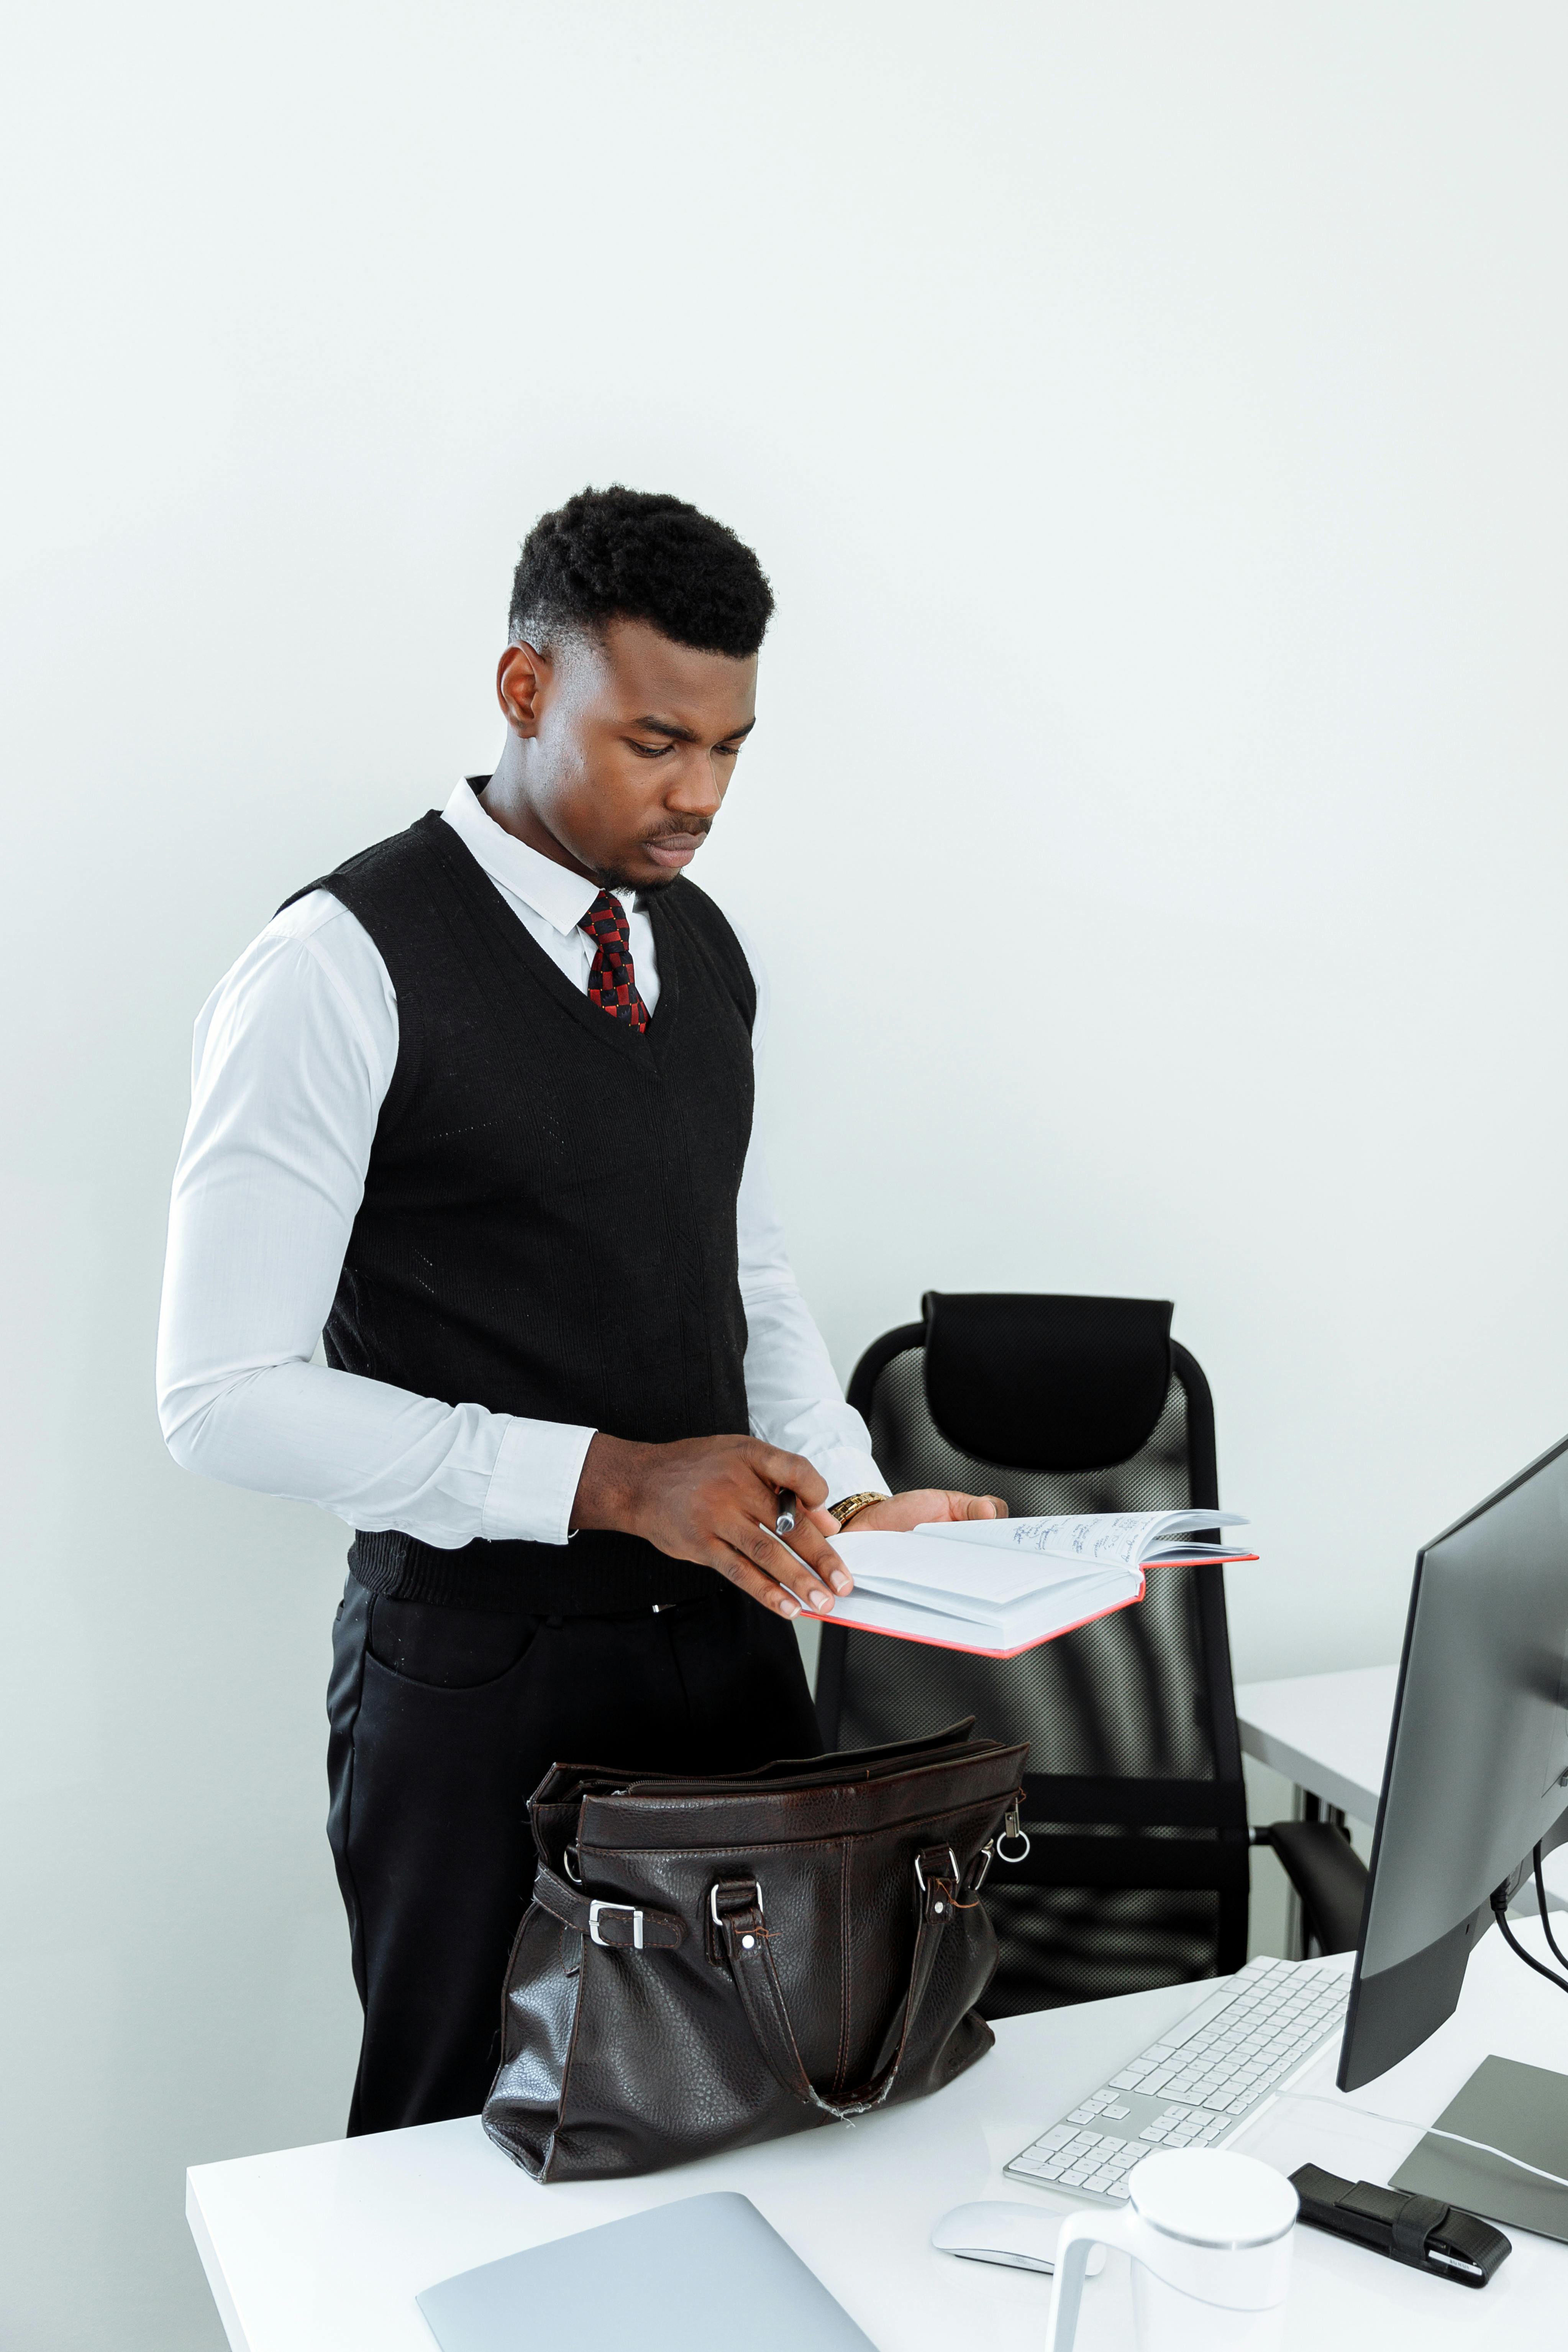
(913, 1507)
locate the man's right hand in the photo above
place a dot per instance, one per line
(711, 1499)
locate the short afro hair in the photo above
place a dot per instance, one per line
(636, 555)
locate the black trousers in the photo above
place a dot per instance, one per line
(443, 1723)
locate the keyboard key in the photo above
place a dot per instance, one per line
(1206, 2015)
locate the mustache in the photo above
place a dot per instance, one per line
(695, 828)
(616, 878)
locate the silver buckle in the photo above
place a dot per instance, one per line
(713, 1900)
(952, 1864)
(594, 1935)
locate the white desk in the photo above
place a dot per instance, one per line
(322, 2249)
(1329, 1732)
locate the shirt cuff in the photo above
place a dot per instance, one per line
(849, 1472)
(534, 1481)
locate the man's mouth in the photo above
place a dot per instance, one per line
(675, 849)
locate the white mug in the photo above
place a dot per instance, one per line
(1210, 2239)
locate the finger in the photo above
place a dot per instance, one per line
(752, 1582)
(818, 1555)
(780, 1469)
(980, 1507)
(776, 1560)
(823, 1517)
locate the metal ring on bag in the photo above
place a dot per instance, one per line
(569, 1859)
(1023, 1838)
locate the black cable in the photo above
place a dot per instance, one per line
(1558, 1954)
(1500, 1911)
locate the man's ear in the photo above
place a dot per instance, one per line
(520, 678)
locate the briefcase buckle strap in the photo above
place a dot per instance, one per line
(614, 1926)
(595, 1913)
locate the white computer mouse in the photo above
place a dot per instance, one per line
(1022, 2237)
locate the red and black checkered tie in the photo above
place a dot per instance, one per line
(612, 982)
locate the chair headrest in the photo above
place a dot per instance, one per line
(1036, 1381)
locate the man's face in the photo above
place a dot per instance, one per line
(628, 744)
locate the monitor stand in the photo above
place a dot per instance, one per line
(1524, 2109)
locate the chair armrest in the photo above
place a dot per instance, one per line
(1327, 1874)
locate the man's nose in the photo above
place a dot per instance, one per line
(697, 789)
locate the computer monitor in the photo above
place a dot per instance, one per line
(1477, 1774)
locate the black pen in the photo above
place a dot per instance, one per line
(784, 1524)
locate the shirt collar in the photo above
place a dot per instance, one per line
(553, 891)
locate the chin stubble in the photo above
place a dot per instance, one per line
(611, 877)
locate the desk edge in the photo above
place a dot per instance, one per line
(217, 2285)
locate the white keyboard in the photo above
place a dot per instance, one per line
(1198, 2083)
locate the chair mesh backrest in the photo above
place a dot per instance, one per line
(1128, 1697)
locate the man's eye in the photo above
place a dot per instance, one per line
(651, 751)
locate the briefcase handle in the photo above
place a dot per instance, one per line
(735, 1907)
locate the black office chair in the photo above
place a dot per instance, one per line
(1137, 1869)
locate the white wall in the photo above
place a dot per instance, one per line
(1152, 419)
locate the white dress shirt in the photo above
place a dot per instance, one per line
(294, 1053)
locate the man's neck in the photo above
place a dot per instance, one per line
(507, 800)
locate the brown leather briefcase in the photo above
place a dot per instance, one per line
(708, 1963)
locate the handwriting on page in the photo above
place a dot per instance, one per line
(1112, 1539)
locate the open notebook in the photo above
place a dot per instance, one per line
(999, 1586)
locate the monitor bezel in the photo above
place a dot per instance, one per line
(1383, 2008)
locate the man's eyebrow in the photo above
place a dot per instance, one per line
(688, 734)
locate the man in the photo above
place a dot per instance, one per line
(479, 1103)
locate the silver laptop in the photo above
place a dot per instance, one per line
(639, 2282)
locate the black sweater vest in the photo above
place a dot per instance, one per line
(548, 1225)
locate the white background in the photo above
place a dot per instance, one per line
(1151, 417)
